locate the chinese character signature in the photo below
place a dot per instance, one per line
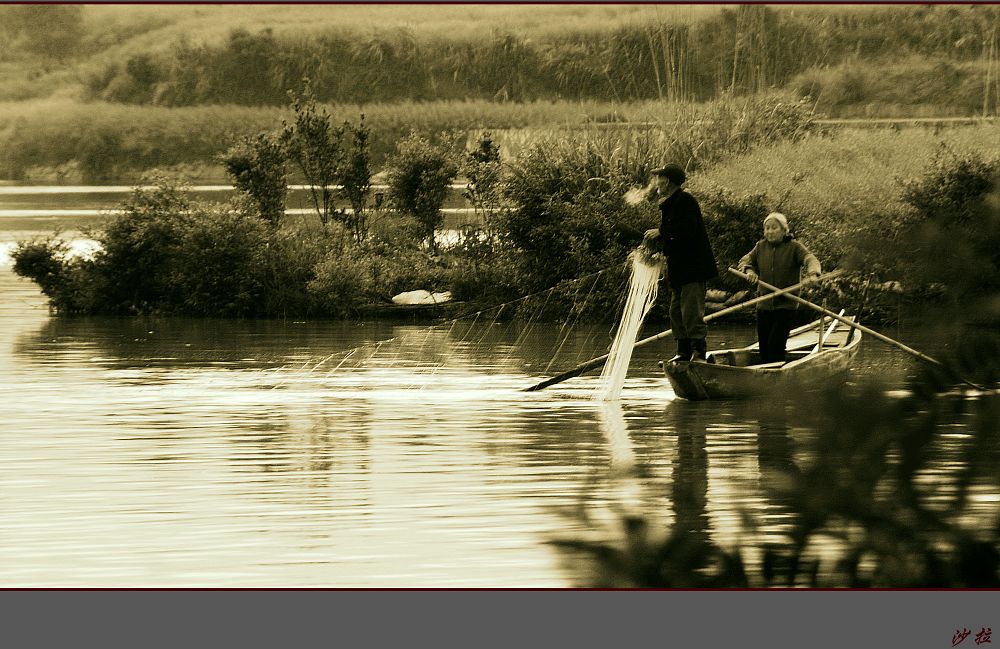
(982, 637)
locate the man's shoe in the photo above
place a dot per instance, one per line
(683, 350)
(699, 350)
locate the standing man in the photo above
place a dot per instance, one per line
(690, 260)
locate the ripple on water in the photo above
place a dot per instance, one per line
(142, 452)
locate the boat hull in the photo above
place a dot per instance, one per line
(727, 378)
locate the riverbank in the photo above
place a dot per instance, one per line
(846, 193)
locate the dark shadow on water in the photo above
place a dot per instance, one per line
(689, 483)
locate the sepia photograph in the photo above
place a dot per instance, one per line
(501, 296)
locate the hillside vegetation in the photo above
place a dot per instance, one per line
(93, 93)
(940, 56)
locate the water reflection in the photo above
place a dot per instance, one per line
(774, 446)
(174, 452)
(624, 473)
(689, 483)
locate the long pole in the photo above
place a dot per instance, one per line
(597, 362)
(870, 332)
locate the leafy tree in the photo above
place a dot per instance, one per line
(419, 178)
(355, 176)
(315, 147)
(483, 168)
(257, 165)
(333, 160)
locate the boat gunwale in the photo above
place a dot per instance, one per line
(811, 356)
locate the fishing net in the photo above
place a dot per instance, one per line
(646, 271)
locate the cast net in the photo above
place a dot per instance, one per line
(646, 271)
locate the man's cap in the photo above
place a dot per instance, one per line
(673, 173)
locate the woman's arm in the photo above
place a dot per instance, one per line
(808, 262)
(748, 264)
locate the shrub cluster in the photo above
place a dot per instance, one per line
(165, 254)
(955, 208)
(555, 224)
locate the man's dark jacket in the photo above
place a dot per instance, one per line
(684, 241)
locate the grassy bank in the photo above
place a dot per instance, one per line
(554, 214)
(67, 140)
(846, 184)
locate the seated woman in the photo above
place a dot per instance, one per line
(781, 261)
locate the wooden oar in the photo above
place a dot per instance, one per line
(597, 362)
(870, 332)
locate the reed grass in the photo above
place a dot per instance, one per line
(108, 141)
(912, 87)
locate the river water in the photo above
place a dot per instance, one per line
(140, 452)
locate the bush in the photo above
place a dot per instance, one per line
(488, 282)
(257, 167)
(288, 264)
(219, 264)
(372, 273)
(734, 226)
(567, 215)
(340, 285)
(952, 188)
(43, 262)
(955, 208)
(69, 283)
(419, 176)
(138, 249)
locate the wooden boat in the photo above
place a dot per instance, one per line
(815, 354)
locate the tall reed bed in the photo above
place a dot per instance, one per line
(739, 49)
(694, 135)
